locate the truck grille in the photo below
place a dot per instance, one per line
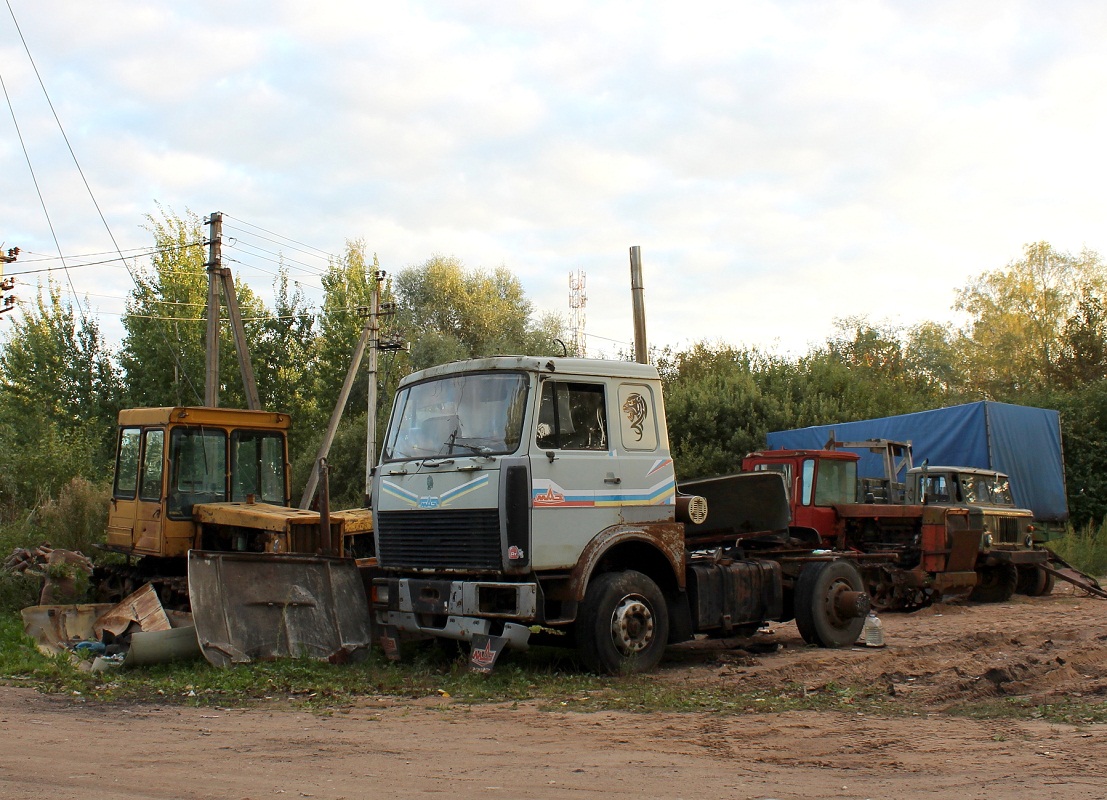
(454, 539)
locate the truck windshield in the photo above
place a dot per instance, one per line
(476, 414)
(835, 482)
(986, 490)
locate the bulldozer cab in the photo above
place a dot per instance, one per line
(168, 460)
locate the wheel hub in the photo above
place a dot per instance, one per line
(632, 625)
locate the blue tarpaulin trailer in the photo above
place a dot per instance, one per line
(1020, 441)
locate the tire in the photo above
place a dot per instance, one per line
(1028, 579)
(1040, 582)
(831, 603)
(995, 583)
(623, 626)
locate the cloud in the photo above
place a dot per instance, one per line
(780, 164)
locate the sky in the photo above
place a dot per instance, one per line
(781, 165)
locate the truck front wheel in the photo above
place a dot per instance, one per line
(831, 603)
(623, 626)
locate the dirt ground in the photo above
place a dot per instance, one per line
(1043, 648)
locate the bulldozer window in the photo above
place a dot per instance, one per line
(152, 459)
(126, 464)
(257, 466)
(198, 464)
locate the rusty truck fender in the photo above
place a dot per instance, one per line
(665, 539)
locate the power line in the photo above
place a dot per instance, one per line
(88, 188)
(286, 238)
(34, 179)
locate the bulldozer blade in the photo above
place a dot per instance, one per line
(262, 607)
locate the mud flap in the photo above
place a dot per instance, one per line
(485, 652)
(261, 607)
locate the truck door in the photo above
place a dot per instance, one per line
(582, 481)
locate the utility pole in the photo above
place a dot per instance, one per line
(370, 337)
(371, 404)
(219, 275)
(211, 360)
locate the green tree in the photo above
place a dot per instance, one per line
(1018, 315)
(450, 313)
(164, 347)
(58, 402)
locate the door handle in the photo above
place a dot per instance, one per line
(612, 479)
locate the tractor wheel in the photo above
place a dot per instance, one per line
(995, 583)
(623, 625)
(831, 603)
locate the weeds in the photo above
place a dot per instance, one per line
(1085, 548)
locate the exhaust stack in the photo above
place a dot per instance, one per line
(641, 352)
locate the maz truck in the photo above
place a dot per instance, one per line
(519, 497)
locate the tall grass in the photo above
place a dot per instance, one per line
(1085, 548)
(76, 520)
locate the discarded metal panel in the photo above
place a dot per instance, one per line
(159, 647)
(142, 607)
(57, 628)
(257, 607)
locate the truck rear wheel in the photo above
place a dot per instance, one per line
(623, 626)
(831, 603)
(995, 583)
(1034, 581)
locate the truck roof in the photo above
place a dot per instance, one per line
(841, 455)
(961, 470)
(199, 415)
(593, 367)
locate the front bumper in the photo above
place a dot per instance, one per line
(457, 609)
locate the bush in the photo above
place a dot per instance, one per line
(18, 590)
(77, 519)
(1085, 548)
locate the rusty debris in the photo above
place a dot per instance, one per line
(100, 636)
(59, 570)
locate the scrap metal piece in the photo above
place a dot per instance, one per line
(57, 628)
(159, 647)
(259, 607)
(142, 607)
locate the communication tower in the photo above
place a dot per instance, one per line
(577, 301)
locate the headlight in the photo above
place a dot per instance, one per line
(986, 542)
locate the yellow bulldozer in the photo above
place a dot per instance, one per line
(201, 508)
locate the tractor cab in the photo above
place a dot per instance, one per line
(170, 460)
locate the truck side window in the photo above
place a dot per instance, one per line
(572, 416)
(126, 465)
(808, 479)
(153, 457)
